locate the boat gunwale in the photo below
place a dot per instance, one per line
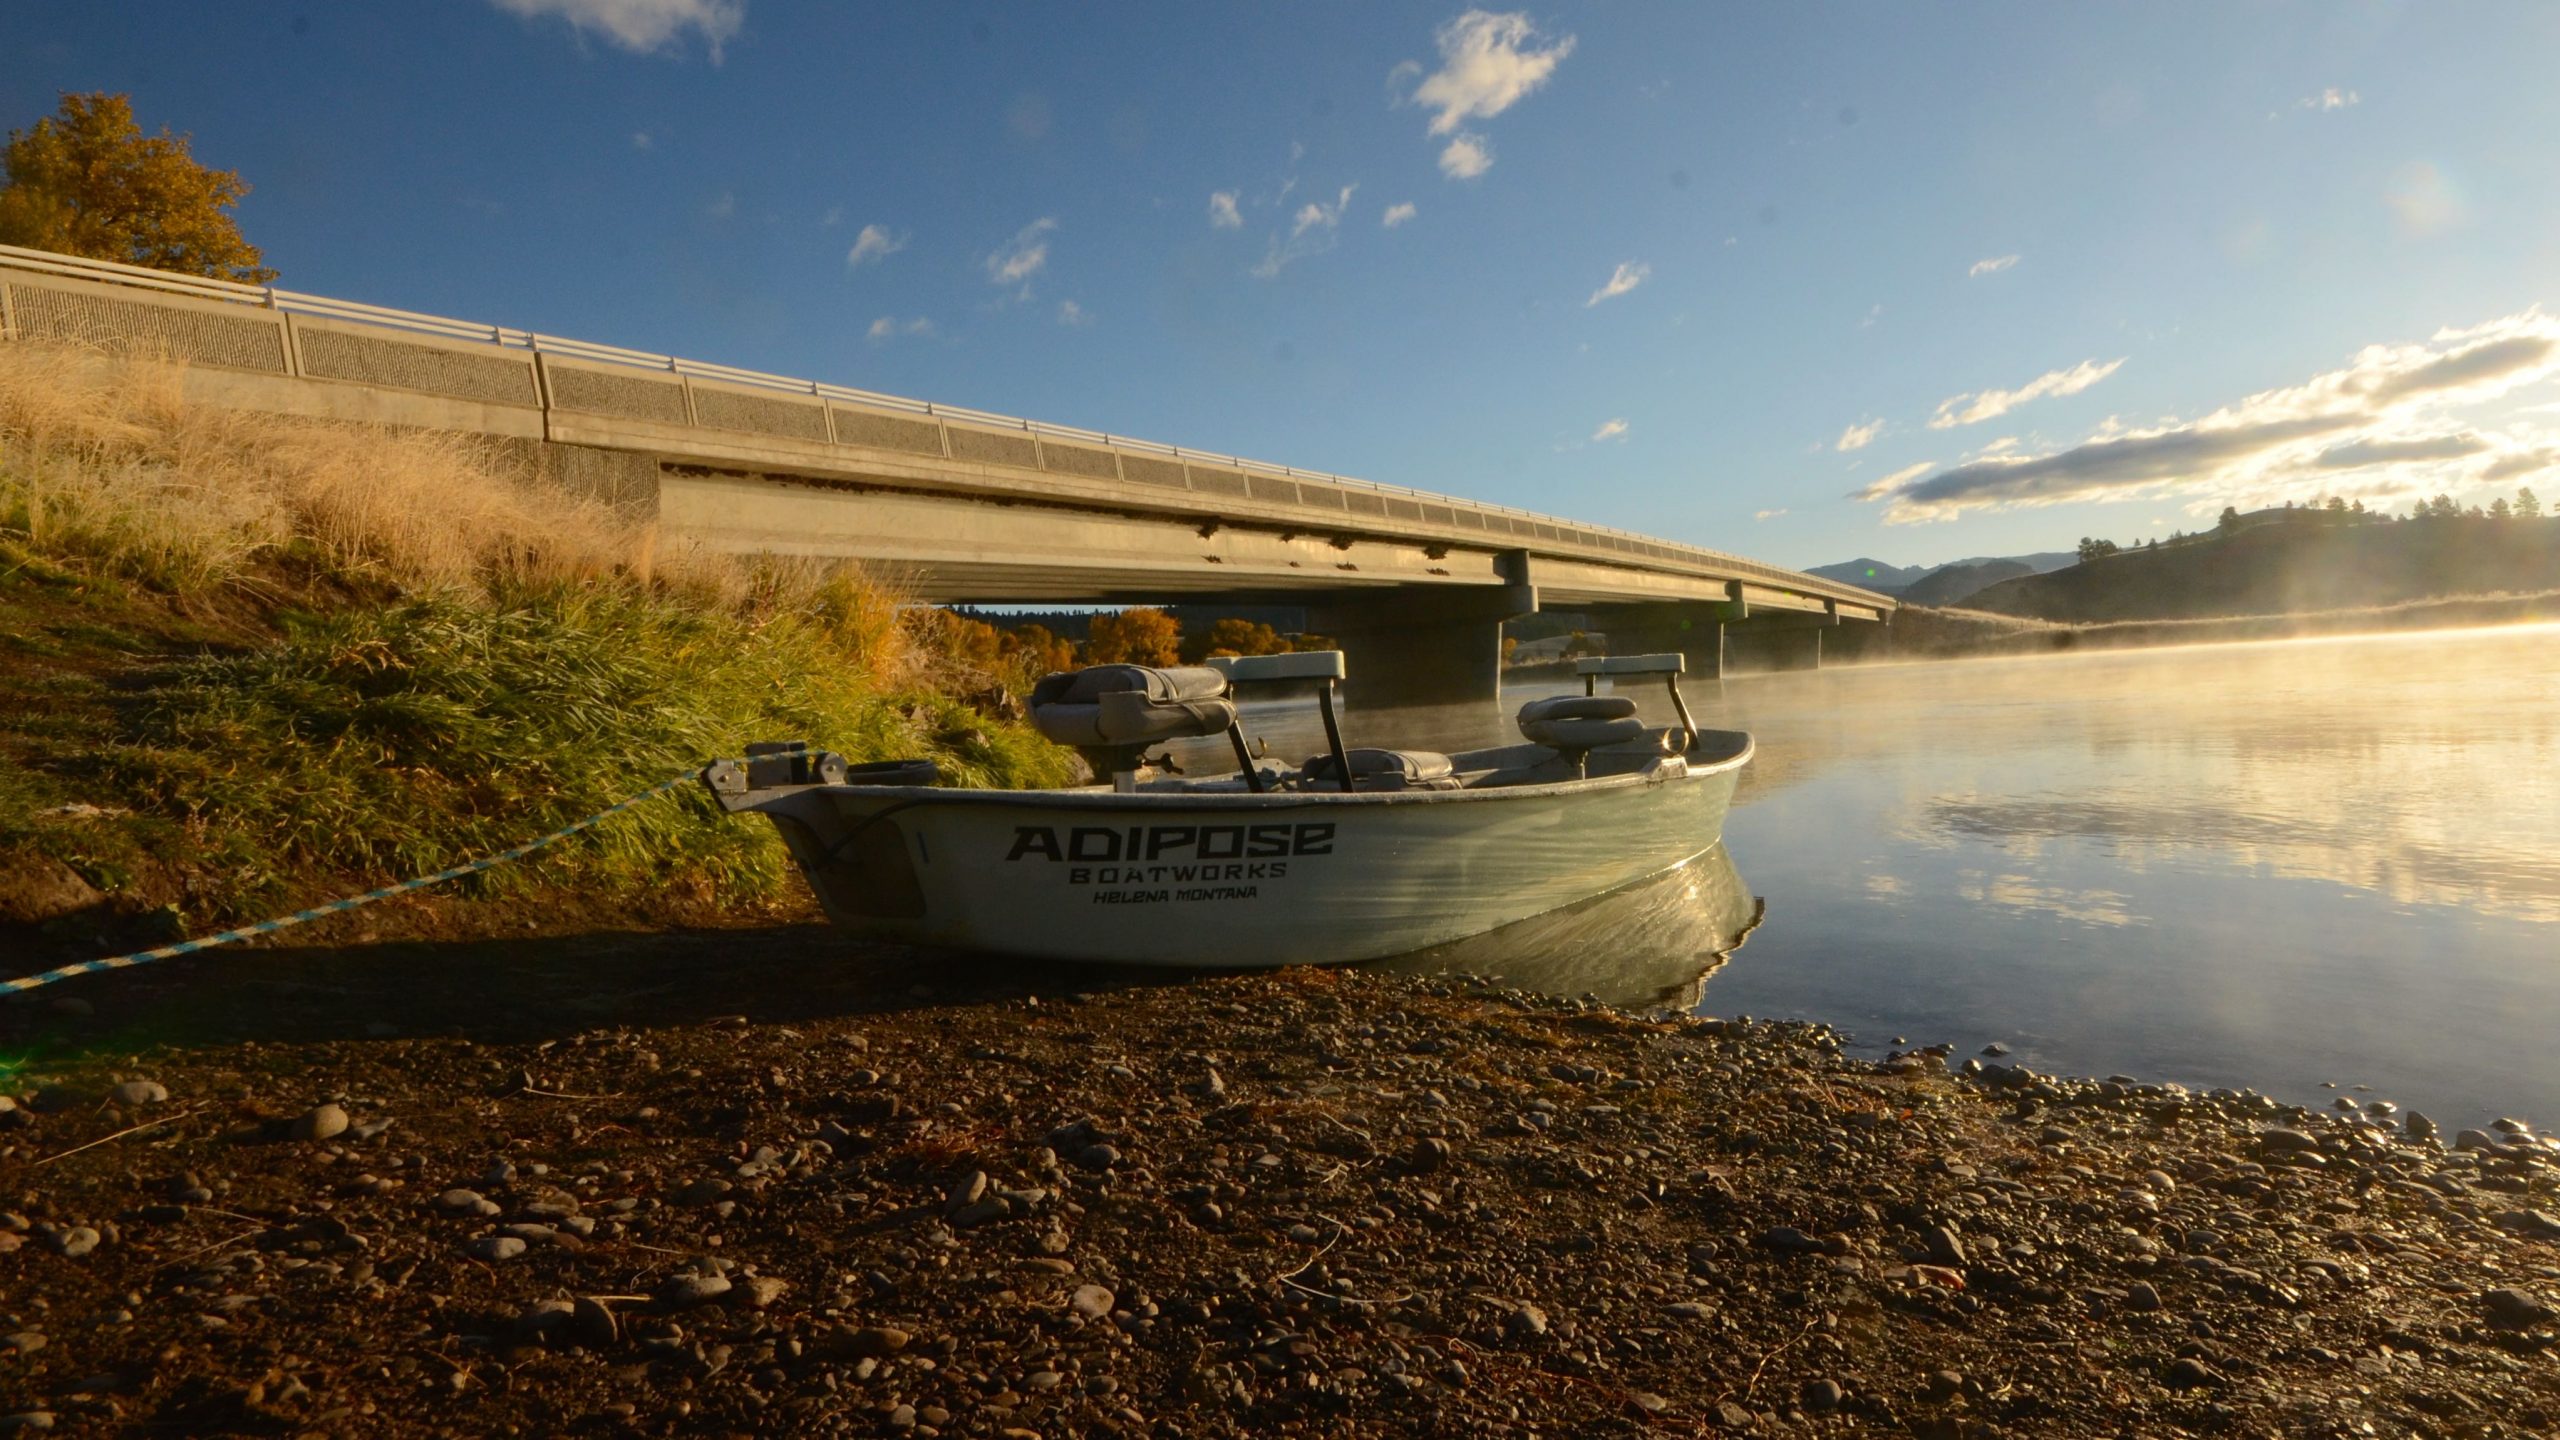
(1103, 798)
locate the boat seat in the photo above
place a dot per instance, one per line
(1113, 706)
(1388, 770)
(1580, 723)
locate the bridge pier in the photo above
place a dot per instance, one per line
(1411, 648)
(1694, 629)
(1775, 647)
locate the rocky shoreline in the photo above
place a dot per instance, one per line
(1042, 1203)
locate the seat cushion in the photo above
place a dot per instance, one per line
(1580, 722)
(1404, 767)
(1112, 705)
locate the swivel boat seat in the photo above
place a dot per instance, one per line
(1111, 714)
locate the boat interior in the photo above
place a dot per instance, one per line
(1114, 714)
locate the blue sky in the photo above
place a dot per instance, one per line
(1707, 271)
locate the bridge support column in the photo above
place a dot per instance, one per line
(1692, 628)
(1407, 648)
(1776, 647)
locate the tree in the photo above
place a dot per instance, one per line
(1139, 636)
(2095, 549)
(2498, 508)
(1234, 637)
(88, 182)
(2528, 505)
(1040, 650)
(2230, 522)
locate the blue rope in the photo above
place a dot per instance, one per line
(339, 907)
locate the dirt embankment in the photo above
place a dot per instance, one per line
(553, 1190)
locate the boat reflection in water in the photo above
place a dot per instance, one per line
(1649, 946)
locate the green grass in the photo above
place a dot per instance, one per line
(391, 739)
(250, 663)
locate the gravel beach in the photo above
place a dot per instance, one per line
(564, 1193)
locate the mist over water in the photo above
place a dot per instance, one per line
(2249, 865)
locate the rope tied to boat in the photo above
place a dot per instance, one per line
(356, 902)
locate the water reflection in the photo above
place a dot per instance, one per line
(2272, 865)
(1649, 946)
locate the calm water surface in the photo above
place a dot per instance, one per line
(2264, 865)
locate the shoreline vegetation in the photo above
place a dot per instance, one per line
(250, 662)
(577, 1191)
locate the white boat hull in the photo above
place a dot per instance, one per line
(1238, 880)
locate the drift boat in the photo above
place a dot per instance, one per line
(1358, 854)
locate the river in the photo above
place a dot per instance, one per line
(2287, 866)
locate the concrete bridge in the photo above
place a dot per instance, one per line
(959, 505)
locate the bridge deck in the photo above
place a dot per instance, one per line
(966, 504)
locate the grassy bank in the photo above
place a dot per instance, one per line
(251, 661)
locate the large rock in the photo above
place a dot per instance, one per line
(38, 888)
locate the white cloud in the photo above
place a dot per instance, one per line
(1859, 437)
(1223, 214)
(874, 243)
(642, 140)
(1315, 213)
(2425, 200)
(889, 327)
(1073, 315)
(1312, 231)
(1621, 280)
(1467, 157)
(1022, 257)
(1992, 266)
(1895, 481)
(641, 26)
(2332, 98)
(833, 218)
(2382, 416)
(1488, 63)
(1398, 214)
(1984, 405)
(722, 206)
(1610, 430)
(1768, 514)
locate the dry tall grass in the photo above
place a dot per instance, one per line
(106, 463)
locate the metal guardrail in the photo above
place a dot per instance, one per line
(271, 297)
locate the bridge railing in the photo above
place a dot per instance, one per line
(324, 307)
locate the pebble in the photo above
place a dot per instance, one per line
(1819, 1396)
(2141, 1298)
(467, 1202)
(683, 1292)
(26, 1422)
(707, 1191)
(1092, 1301)
(594, 1323)
(76, 1241)
(320, 1122)
(494, 1248)
(2513, 1309)
(133, 1094)
(2279, 1138)
(1690, 1310)
(760, 1291)
(877, 1341)
(2189, 1373)
(1526, 1322)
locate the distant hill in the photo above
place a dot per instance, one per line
(2290, 568)
(1952, 584)
(1896, 580)
(1872, 574)
(2041, 562)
